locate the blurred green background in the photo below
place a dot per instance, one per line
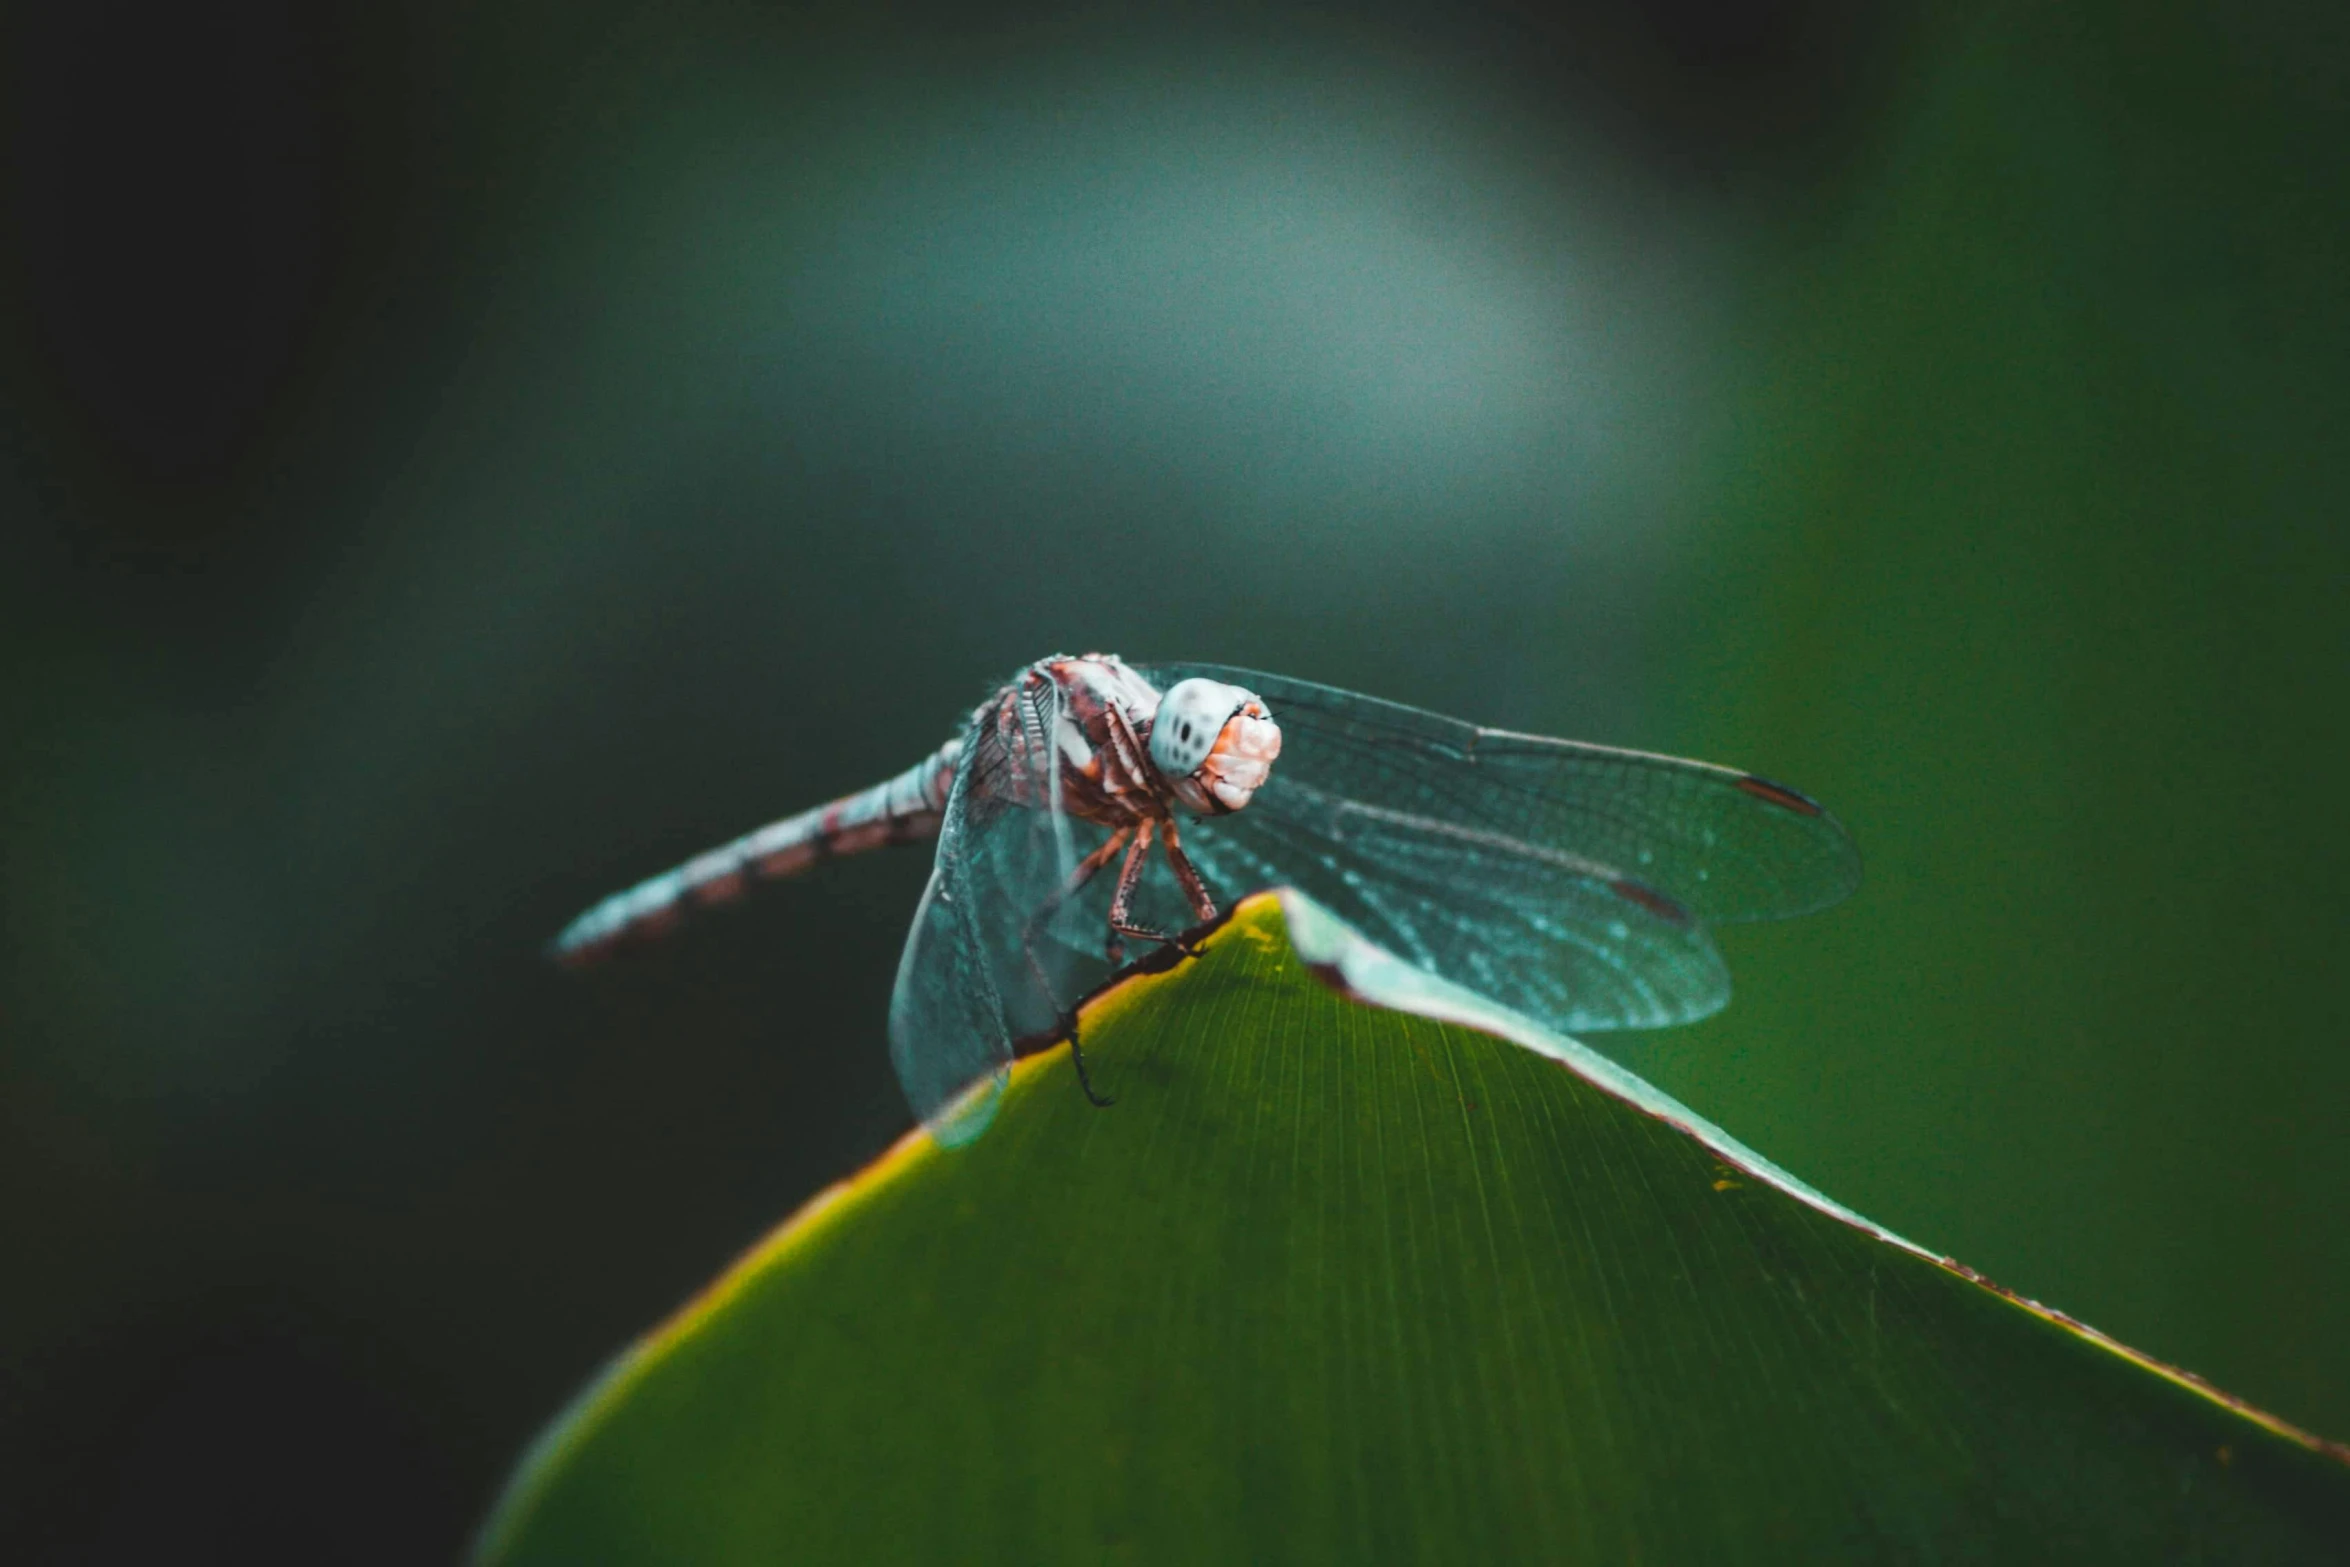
(463, 458)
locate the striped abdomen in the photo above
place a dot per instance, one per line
(906, 809)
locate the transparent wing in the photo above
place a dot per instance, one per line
(947, 1036)
(1571, 882)
(986, 964)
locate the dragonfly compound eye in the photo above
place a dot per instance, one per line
(1213, 743)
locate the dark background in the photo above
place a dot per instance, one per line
(462, 458)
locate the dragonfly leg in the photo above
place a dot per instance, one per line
(1121, 901)
(1077, 1059)
(1087, 869)
(1195, 886)
(1130, 880)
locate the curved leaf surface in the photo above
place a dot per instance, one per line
(1344, 1283)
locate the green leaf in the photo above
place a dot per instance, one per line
(1334, 1282)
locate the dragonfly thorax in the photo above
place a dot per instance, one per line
(1121, 750)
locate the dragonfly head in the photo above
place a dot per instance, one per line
(1214, 744)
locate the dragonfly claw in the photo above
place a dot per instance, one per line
(1077, 1058)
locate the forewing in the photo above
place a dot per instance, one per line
(1569, 881)
(980, 971)
(1555, 942)
(947, 1037)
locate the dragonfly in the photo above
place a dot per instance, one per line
(1090, 804)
